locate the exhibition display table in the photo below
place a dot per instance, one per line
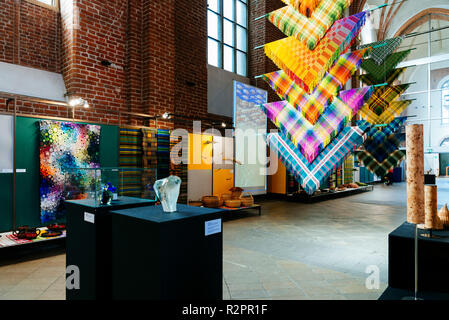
(88, 244)
(433, 259)
(164, 256)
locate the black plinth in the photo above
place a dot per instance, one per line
(167, 256)
(429, 179)
(89, 245)
(433, 260)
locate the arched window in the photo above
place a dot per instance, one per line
(445, 104)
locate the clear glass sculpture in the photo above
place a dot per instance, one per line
(167, 190)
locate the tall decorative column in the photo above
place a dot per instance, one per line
(415, 173)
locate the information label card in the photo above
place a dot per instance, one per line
(212, 227)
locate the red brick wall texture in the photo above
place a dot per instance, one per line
(158, 51)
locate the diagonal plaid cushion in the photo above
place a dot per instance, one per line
(394, 109)
(311, 175)
(381, 71)
(380, 168)
(313, 105)
(309, 138)
(308, 30)
(371, 79)
(307, 67)
(379, 54)
(356, 97)
(382, 142)
(383, 96)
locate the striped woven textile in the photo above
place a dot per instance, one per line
(308, 30)
(309, 138)
(356, 97)
(313, 105)
(380, 168)
(179, 170)
(131, 159)
(371, 79)
(381, 71)
(379, 54)
(383, 96)
(381, 142)
(149, 159)
(308, 67)
(163, 153)
(311, 175)
(394, 109)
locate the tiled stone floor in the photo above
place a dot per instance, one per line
(293, 251)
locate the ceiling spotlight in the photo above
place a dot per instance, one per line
(166, 115)
(223, 125)
(73, 102)
(86, 104)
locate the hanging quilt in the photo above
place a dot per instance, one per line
(163, 153)
(130, 161)
(382, 49)
(65, 146)
(380, 168)
(312, 175)
(310, 139)
(383, 96)
(394, 109)
(373, 79)
(313, 105)
(356, 97)
(308, 30)
(149, 162)
(381, 71)
(381, 142)
(307, 67)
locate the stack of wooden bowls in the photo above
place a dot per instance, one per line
(211, 201)
(247, 200)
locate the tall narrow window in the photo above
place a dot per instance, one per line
(445, 102)
(227, 31)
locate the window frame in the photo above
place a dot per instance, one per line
(221, 43)
(444, 106)
(54, 6)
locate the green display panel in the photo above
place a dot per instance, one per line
(28, 183)
(444, 163)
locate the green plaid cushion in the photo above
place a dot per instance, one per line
(381, 71)
(380, 168)
(373, 79)
(379, 54)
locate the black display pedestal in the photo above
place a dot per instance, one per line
(429, 179)
(88, 245)
(167, 256)
(433, 260)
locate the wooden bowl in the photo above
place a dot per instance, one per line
(247, 200)
(233, 203)
(211, 201)
(226, 196)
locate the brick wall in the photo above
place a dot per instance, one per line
(29, 35)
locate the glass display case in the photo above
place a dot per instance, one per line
(103, 186)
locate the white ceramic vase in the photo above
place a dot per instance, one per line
(167, 190)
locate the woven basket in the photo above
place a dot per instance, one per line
(236, 192)
(247, 200)
(443, 214)
(233, 203)
(195, 203)
(211, 201)
(226, 196)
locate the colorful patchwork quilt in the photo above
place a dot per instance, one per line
(312, 175)
(308, 30)
(394, 109)
(307, 67)
(313, 105)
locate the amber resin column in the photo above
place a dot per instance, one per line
(415, 173)
(432, 220)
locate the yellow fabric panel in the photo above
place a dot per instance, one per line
(223, 181)
(277, 183)
(200, 152)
